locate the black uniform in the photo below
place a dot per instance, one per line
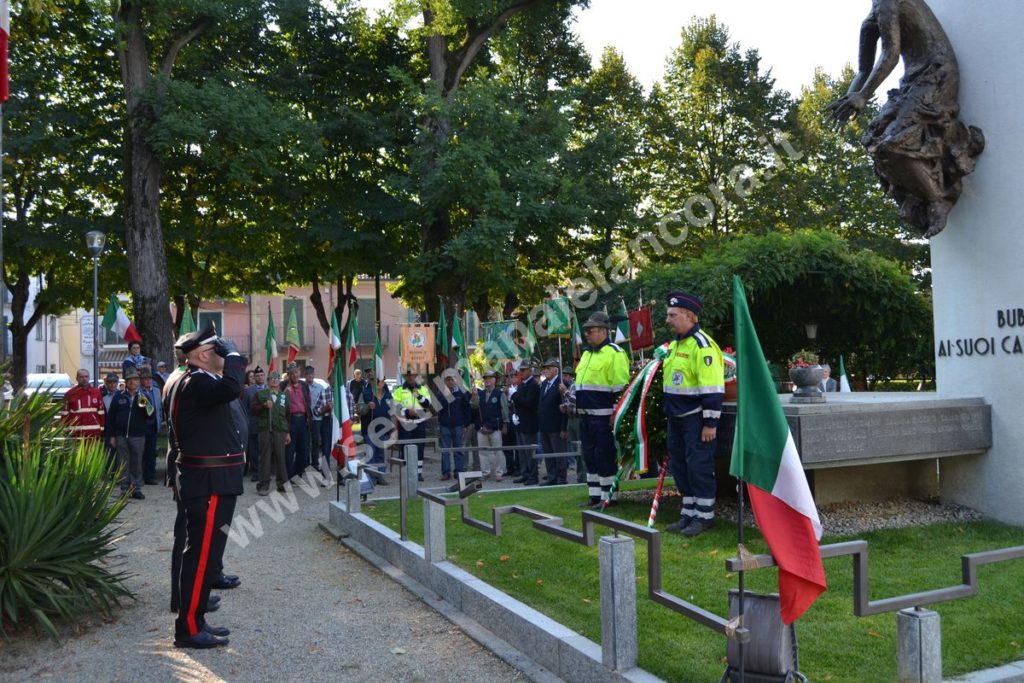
(209, 464)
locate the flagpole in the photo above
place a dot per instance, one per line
(3, 273)
(739, 523)
(640, 294)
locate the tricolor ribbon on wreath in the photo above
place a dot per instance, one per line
(637, 392)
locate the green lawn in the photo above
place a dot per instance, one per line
(560, 579)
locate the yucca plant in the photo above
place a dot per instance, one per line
(58, 510)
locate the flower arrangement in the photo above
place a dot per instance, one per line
(803, 359)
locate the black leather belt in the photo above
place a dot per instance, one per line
(227, 460)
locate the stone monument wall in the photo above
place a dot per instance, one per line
(978, 261)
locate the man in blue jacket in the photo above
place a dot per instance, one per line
(125, 430)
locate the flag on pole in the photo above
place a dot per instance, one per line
(576, 340)
(116, 320)
(5, 33)
(641, 329)
(334, 345)
(622, 328)
(291, 335)
(459, 343)
(442, 339)
(530, 347)
(187, 323)
(351, 342)
(270, 341)
(844, 379)
(378, 358)
(765, 457)
(556, 317)
(341, 428)
(398, 361)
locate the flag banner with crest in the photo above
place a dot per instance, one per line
(641, 329)
(418, 347)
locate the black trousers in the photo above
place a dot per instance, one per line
(527, 463)
(552, 442)
(202, 558)
(177, 550)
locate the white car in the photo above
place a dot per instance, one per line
(56, 384)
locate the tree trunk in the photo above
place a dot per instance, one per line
(21, 328)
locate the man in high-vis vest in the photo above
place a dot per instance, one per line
(412, 401)
(601, 375)
(694, 385)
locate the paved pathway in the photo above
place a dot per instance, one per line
(307, 609)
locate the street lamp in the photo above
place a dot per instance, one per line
(811, 329)
(94, 242)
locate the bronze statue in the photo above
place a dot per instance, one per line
(921, 148)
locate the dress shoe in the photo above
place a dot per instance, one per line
(530, 482)
(229, 577)
(200, 641)
(263, 490)
(223, 583)
(590, 503)
(561, 482)
(698, 526)
(548, 482)
(445, 477)
(138, 495)
(280, 489)
(150, 482)
(218, 631)
(497, 477)
(254, 478)
(419, 477)
(519, 480)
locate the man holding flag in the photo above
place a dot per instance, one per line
(694, 386)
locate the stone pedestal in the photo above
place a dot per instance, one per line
(977, 260)
(617, 561)
(918, 646)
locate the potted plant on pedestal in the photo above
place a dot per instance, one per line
(806, 373)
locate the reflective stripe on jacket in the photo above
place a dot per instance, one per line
(694, 377)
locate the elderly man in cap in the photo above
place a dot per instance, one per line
(525, 400)
(125, 430)
(601, 375)
(154, 420)
(551, 423)
(210, 462)
(694, 386)
(491, 416)
(453, 415)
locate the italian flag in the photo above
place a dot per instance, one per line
(378, 358)
(844, 379)
(291, 335)
(116, 320)
(352, 342)
(335, 343)
(765, 457)
(270, 341)
(342, 427)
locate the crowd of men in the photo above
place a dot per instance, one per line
(223, 422)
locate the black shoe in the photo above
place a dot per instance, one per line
(218, 631)
(680, 524)
(200, 641)
(698, 526)
(419, 477)
(530, 482)
(213, 603)
(224, 583)
(588, 504)
(138, 495)
(254, 478)
(602, 504)
(445, 477)
(548, 482)
(150, 482)
(280, 489)
(519, 480)
(229, 577)
(561, 482)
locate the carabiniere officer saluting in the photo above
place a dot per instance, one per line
(211, 457)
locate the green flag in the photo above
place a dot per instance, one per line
(531, 341)
(187, 323)
(459, 343)
(556, 317)
(442, 339)
(378, 358)
(576, 340)
(291, 335)
(499, 341)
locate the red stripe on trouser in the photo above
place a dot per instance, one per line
(204, 556)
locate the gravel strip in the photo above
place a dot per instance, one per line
(307, 609)
(838, 519)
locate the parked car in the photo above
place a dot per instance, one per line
(56, 384)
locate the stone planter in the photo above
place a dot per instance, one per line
(807, 381)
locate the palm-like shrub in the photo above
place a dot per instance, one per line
(57, 521)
